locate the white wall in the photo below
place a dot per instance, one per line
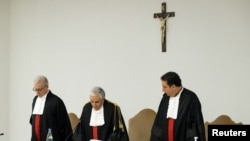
(4, 67)
(79, 44)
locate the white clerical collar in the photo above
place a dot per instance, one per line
(97, 117)
(39, 105)
(173, 106)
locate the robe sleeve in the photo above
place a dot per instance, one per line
(64, 124)
(195, 126)
(125, 133)
(157, 128)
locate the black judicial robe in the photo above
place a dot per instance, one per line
(105, 130)
(55, 116)
(189, 122)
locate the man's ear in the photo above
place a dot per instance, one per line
(173, 86)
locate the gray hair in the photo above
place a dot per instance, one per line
(41, 79)
(98, 91)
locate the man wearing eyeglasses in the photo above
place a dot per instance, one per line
(48, 111)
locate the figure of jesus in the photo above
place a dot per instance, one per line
(163, 28)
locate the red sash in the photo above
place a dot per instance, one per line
(95, 132)
(170, 129)
(37, 128)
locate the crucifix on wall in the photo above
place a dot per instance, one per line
(163, 17)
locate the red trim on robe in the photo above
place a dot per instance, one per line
(95, 132)
(170, 129)
(37, 128)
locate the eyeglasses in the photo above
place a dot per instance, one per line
(37, 89)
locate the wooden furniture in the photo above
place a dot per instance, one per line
(140, 125)
(222, 120)
(74, 120)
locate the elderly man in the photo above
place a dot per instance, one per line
(48, 112)
(97, 118)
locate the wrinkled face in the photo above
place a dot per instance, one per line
(96, 102)
(169, 90)
(40, 89)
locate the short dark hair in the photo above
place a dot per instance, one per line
(172, 78)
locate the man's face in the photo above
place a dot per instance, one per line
(96, 102)
(40, 89)
(169, 90)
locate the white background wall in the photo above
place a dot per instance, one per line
(4, 69)
(79, 44)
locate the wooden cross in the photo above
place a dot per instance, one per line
(163, 16)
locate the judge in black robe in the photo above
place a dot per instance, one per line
(54, 116)
(97, 99)
(189, 122)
